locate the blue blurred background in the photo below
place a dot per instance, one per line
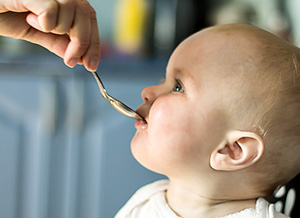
(64, 152)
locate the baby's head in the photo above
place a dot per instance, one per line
(227, 113)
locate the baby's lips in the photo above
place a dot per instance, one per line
(140, 112)
(140, 124)
(141, 116)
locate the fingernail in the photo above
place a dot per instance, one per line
(93, 64)
(73, 62)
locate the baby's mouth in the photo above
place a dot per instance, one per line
(142, 116)
(144, 120)
(141, 124)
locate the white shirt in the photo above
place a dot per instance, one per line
(149, 202)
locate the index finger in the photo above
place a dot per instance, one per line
(92, 56)
(46, 10)
(80, 34)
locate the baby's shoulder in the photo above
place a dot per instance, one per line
(152, 188)
(145, 192)
(142, 196)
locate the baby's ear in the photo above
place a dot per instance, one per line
(239, 150)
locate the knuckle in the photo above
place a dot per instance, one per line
(93, 14)
(83, 45)
(68, 4)
(95, 45)
(48, 14)
(51, 7)
(84, 7)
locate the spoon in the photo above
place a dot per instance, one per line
(115, 103)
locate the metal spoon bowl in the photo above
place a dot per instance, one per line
(115, 103)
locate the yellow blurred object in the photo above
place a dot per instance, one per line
(130, 24)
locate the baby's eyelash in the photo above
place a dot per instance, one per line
(162, 80)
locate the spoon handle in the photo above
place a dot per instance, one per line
(100, 84)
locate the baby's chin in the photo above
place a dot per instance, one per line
(137, 140)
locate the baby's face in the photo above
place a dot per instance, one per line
(185, 119)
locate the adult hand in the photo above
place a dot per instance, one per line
(67, 28)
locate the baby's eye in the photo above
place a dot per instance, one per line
(178, 87)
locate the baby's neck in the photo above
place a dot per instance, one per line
(187, 204)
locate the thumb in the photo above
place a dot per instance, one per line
(32, 20)
(43, 14)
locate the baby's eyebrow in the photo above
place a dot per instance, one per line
(180, 72)
(177, 71)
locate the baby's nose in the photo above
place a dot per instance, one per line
(149, 95)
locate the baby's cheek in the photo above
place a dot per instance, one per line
(172, 130)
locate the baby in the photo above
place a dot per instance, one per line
(224, 127)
